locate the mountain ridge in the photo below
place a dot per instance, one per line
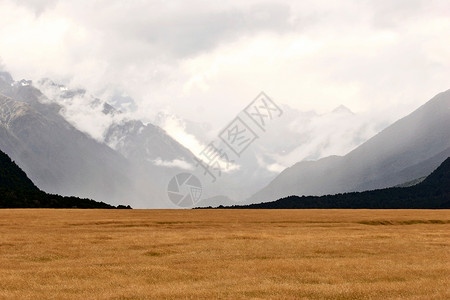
(432, 193)
(408, 143)
(62, 159)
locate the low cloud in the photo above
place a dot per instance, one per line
(80, 109)
(176, 163)
(205, 61)
(299, 136)
(176, 128)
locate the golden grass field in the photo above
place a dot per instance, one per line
(226, 254)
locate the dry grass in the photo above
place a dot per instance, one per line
(229, 254)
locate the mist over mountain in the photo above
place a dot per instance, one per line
(86, 147)
(72, 143)
(431, 193)
(18, 191)
(146, 143)
(408, 149)
(57, 157)
(294, 136)
(162, 153)
(61, 159)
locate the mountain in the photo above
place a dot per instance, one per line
(94, 152)
(295, 135)
(154, 153)
(411, 183)
(408, 149)
(71, 143)
(146, 143)
(432, 193)
(18, 191)
(155, 156)
(61, 159)
(12, 177)
(139, 142)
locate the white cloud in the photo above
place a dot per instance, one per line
(298, 136)
(176, 163)
(176, 128)
(205, 60)
(81, 110)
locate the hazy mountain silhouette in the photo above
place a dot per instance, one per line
(132, 165)
(18, 191)
(408, 149)
(134, 161)
(431, 193)
(63, 160)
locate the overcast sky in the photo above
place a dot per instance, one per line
(205, 60)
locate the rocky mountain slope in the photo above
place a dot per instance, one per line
(61, 159)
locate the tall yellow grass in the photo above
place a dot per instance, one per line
(226, 254)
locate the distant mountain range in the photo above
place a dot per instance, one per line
(409, 149)
(431, 193)
(61, 159)
(18, 191)
(294, 136)
(128, 161)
